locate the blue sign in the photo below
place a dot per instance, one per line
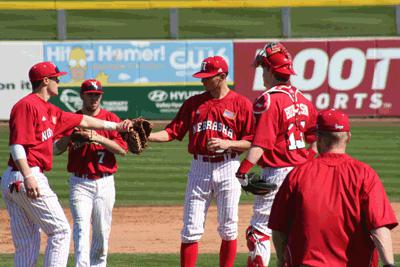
(124, 63)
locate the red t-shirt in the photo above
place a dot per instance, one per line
(94, 158)
(327, 207)
(33, 124)
(206, 117)
(285, 121)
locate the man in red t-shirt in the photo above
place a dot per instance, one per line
(332, 210)
(30, 202)
(92, 166)
(285, 122)
(220, 125)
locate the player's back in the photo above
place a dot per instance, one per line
(284, 127)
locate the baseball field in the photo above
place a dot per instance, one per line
(150, 188)
(150, 191)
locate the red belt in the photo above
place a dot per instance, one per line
(215, 158)
(92, 175)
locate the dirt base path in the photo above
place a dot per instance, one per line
(157, 229)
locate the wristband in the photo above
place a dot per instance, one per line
(245, 166)
(110, 125)
(389, 265)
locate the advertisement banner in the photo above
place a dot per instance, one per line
(151, 102)
(357, 76)
(17, 58)
(134, 63)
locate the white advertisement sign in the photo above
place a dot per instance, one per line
(16, 59)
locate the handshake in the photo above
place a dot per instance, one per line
(253, 183)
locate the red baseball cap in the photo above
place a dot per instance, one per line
(211, 67)
(91, 86)
(275, 56)
(44, 69)
(332, 120)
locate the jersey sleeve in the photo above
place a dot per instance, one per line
(375, 204)
(65, 120)
(22, 124)
(178, 127)
(267, 128)
(247, 122)
(283, 206)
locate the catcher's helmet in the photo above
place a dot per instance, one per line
(276, 57)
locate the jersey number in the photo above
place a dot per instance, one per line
(296, 143)
(101, 156)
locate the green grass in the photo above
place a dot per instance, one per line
(199, 23)
(151, 260)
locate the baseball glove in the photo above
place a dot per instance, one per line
(253, 183)
(137, 136)
(80, 136)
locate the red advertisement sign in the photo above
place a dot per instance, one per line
(361, 77)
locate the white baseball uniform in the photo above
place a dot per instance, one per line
(33, 124)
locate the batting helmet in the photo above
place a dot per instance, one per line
(276, 57)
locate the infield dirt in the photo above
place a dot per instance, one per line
(156, 230)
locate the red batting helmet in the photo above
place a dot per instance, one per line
(276, 57)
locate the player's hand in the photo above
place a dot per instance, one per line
(124, 125)
(31, 187)
(217, 145)
(87, 133)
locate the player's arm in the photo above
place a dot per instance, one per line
(19, 157)
(383, 242)
(215, 144)
(160, 136)
(61, 145)
(89, 122)
(252, 157)
(280, 242)
(107, 143)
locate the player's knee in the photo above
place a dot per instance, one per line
(228, 234)
(228, 231)
(191, 234)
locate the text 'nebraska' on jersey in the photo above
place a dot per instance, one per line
(213, 126)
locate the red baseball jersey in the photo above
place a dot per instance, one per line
(327, 207)
(206, 117)
(285, 121)
(33, 124)
(93, 158)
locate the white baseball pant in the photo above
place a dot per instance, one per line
(28, 216)
(91, 202)
(205, 181)
(261, 210)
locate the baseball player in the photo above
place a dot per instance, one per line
(30, 202)
(220, 126)
(285, 122)
(92, 166)
(332, 210)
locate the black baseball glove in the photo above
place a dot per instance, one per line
(253, 183)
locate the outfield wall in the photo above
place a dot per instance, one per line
(153, 78)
